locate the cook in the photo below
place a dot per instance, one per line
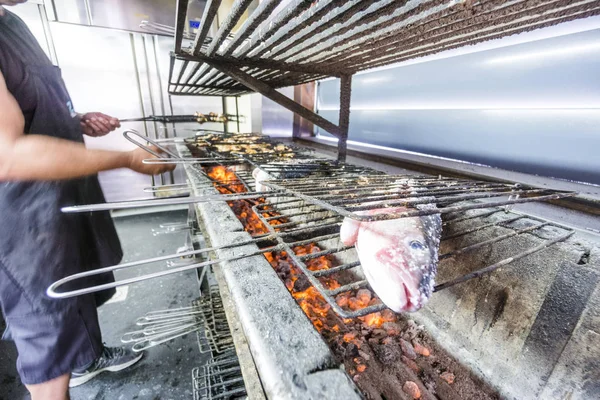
(44, 165)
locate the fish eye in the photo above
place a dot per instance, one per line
(416, 245)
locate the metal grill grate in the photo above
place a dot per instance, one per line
(220, 378)
(307, 40)
(294, 223)
(355, 196)
(309, 210)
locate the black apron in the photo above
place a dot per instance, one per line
(38, 244)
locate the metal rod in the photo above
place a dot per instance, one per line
(121, 205)
(262, 12)
(212, 6)
(412, 46)
(481, 227)
(296, 24)
(127, 136)
(415, 213)
(334, 270)
(502, 263)
(51, 291)
(468, 217)
(180, 19)
(291, 11)
(493, 240)
(237, 10)
(344, 120)
(277, 97)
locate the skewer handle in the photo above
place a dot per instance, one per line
(127, 135)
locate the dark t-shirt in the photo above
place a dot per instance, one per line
(38, 243)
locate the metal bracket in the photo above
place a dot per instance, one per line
(339, 131)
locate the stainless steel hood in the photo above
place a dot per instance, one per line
(118, 14)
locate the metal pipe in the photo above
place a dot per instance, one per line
(344, 120)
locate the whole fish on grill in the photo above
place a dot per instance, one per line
(398, 256)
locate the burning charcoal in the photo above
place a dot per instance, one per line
(388, 340)
(284, 268)
(358, 360)
(412, 329)
(348, 337)
(448, 377)
(342, 299)
(301, 284)
(379, 333)
(289, 284)
(373, 320)
(412, 389)
(392, 328)
(351, 350)
(411, 364)
(408, 349)
(388, 315)
(420, 349)
(355, 304)
(387, 354)
(364, 355)
(364, 296)
(361, 368)
(374, 301)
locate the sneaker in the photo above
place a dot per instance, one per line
(112, 359)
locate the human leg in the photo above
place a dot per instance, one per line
(54, 389)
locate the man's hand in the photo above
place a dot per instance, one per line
(136, 158)
(96, 124)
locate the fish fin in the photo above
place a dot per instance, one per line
(349, 231)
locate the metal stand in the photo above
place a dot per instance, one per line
(340, 131)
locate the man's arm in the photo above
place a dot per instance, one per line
(37, 157)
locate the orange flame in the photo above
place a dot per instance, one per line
(310, 300)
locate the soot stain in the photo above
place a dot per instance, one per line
(499, 309)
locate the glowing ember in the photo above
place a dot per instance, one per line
(310, 300)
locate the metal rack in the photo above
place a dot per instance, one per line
(216, 337)
(352, 196)
(295, 223)
(220, 378)
(304, 41)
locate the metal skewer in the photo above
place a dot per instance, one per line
(127, 136)
(52, 290)
(123, 205)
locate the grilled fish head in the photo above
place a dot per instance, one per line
(399, 257)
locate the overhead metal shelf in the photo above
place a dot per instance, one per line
(285, 43)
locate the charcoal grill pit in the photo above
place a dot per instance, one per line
(533, 280)
(476, 227)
